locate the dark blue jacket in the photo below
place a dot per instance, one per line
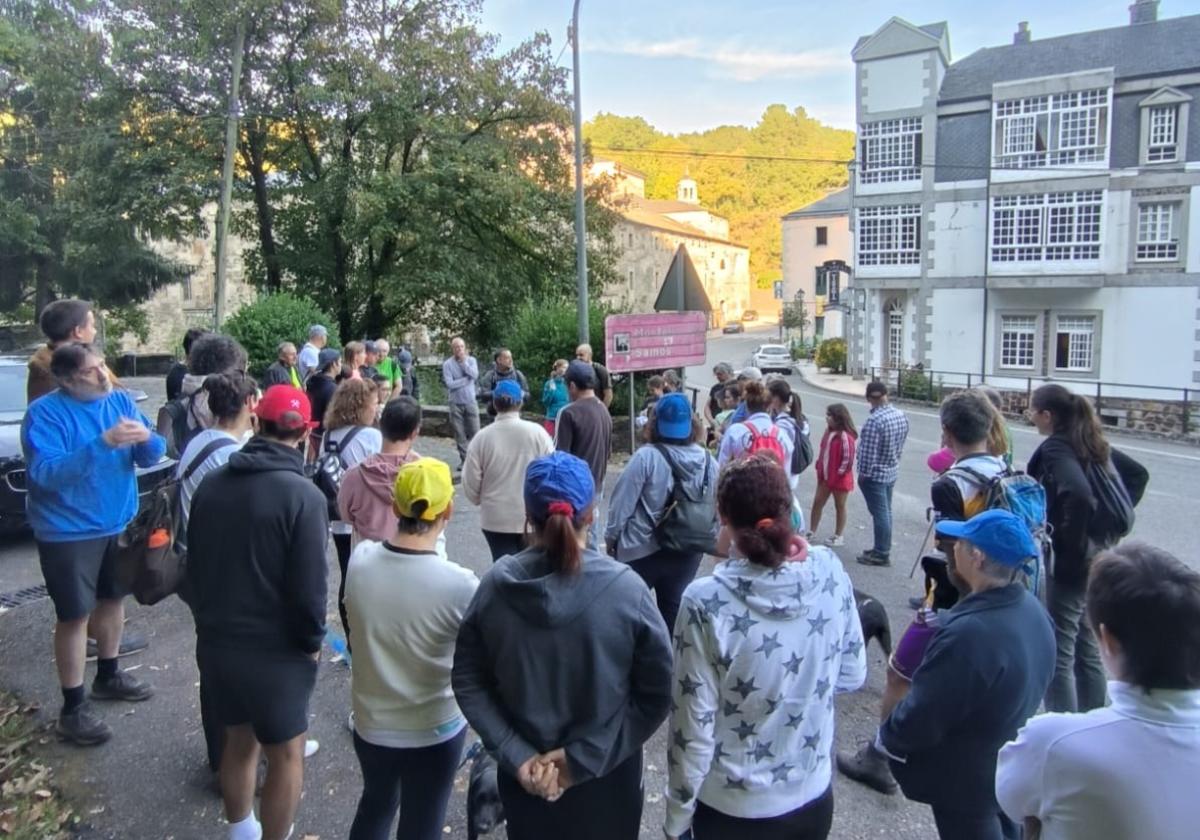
(983, 675)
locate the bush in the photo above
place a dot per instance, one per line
(831, 353)
(543, 333)
(918, 385)
(261, 325)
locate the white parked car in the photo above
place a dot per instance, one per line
(772, 357)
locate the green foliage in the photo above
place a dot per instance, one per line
(542, 334)
(831, 354)
(262, 325)
(920, 386)
(752, 194)
(795, 316)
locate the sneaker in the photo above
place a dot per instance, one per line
(835, 541)
(82, 727)
(310, 747)
(121, 686)
(871, 558)
(916, 603)
(869, 767)
(131, 642)
(350, 722)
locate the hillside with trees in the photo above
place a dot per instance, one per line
(752, 194)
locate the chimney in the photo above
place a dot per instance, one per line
(1143, 11)
(1022, 35)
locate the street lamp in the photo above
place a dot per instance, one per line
(580, 227)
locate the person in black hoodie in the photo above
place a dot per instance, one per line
(1075, 444)
(563, 667)
(257, 579)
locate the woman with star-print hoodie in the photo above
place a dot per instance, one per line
(761, 648)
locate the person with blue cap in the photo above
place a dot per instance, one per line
(982, 676)
(674, 463)
(563, 667)
(494, 471)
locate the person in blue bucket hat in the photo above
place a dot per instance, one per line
(983, 674)
(647, 489)
(563, 667)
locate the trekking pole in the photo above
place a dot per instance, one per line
(924, 542)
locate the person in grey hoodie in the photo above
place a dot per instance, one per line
(563, 667)
(643, 494)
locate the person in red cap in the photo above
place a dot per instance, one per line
(257, 577)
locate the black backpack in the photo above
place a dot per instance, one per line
(178, 411)
(1113, 517)
(687, 524)
(327, 472)
(802, 452)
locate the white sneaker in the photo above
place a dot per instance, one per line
(350, 722)
(835, 540)
(310, 747)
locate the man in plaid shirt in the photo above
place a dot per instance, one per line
(880, 445)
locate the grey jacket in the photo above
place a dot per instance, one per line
(643, 491)
(546, 660)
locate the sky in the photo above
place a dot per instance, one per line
(690, 65)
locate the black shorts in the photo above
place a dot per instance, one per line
(266, 690)
(78, 573)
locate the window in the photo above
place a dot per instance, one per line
(1074, 342)
(1163, 145)
(822, 235)
(1047, 227)
(1052, 130)
(889, 235)
(631, 279)
(1157, 238)
(187, 287)
(895, 334)
(722, 265)
(821, 287)
(1018, 339)
(889, 150)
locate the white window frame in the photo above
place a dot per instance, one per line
(1158, 225)
(889, 234)
(1162, 144)
(890, 151)
(1047, 227)
(1082, 331)
(1024, 339)
(1055, 129)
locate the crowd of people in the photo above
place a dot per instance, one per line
(592, 627)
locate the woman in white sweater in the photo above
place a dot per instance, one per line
(761, 648)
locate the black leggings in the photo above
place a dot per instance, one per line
(501, 544)
(811, 821)
(341, 542)
(418, 781)
(668, 573)
(608, 808)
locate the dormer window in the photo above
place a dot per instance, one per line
(1164, 126)
(1051, 130)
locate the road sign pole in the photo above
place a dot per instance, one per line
(632, 415)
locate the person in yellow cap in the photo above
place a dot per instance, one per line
(405, 604)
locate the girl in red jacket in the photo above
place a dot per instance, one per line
(835, 469)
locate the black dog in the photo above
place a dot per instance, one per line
(874, 620)
(484, 809)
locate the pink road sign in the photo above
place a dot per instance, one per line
(655, 340)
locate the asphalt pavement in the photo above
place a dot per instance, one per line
(151, 781)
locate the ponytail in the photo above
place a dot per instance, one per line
(559, 538)
(766, 542)
(1074, 418)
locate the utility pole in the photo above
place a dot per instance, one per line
(580, 226)
(231, 136)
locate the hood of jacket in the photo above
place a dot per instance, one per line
(545, 598)
(773, 593)
(688, 462)
(379, 474)
(262, 455)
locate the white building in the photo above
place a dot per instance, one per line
(1032, 210)
(814, 235)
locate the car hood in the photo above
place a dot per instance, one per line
(10, 435)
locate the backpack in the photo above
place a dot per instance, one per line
(151, 561)
(760, 442)
(802, 452)
(330, 467)
(178, 411)
(1113, 517)
(687, 524)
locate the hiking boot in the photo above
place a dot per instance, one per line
(82, 727)
(873, 558)
(131, 642)
(121, 686)
(835, 541)
(869, 767)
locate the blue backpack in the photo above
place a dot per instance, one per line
(1021, 495)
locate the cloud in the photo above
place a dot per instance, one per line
(735, 62)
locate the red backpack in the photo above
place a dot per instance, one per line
(769, 442)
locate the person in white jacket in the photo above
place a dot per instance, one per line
(761, 648)
(1131, 769)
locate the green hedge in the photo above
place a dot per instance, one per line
(544, 333)
(831, 353)
(262, 325)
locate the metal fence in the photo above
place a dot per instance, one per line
(1148, 408)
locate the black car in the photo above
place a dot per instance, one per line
(13, 372)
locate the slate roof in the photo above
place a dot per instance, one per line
(1145, 49)
(936, 30)
(835, 204)
(636, 211)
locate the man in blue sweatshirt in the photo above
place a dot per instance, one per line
(82, 443)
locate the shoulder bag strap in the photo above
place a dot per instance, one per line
(204, 454)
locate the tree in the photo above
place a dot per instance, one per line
(83, 186)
